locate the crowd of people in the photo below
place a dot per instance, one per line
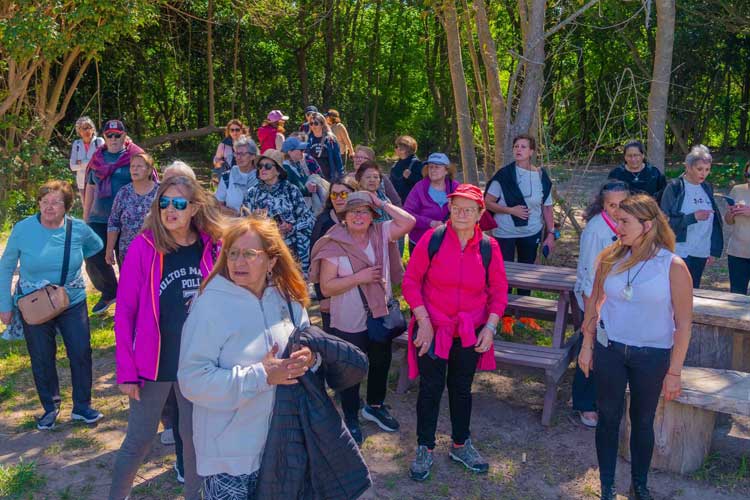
(212, 333)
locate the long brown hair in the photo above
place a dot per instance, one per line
(207, 219)
(644, 208)
(286, 274)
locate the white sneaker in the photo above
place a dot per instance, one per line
(589, 421)
(180, 477)
(167, 437)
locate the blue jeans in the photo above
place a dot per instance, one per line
(584, 389)
(73, 325)
(643, 369)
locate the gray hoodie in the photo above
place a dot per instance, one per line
(224, 340)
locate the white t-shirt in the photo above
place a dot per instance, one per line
(347, 310)
(239, 184)
(698, 240)
(530, 184)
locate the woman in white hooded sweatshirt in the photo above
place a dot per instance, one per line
(228, 360)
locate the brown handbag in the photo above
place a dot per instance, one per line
(50, 301)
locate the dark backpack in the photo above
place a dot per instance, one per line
(225, 178)
(485, 248)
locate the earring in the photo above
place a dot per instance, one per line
(269, 276)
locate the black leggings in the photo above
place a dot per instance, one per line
(739, 274)
(379, 356)
(526, 248)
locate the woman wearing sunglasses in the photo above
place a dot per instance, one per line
(278, 199)
(324, 147)
(162, 273)
(224, 157)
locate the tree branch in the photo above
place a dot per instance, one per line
(570, 18)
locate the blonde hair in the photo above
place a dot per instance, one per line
(367, 150)
(286, 274)
(644, 208)
(234, 121)
(407, 141)
(207, 219)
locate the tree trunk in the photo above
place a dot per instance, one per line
(744, 107)
(460, 95)
(301, 57)
(727, 108)
(235, 63)
(581, 96)
(658, 96)
(210, 64)
(330, 47)
(489, 57)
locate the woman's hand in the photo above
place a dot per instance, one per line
(302, 357)
(369, 275)
(520, 211)
(285, 228)
(376, 202)
(550, 242)
(740, 210)
(586, 359)
(311, 187)
(425, 334)
(672, 386)
(484, 341)
(133, 391)
(109, 256)
(435, 223)
(5, 317)
(702, 214)
(282, 371)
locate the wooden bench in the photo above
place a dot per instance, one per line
(553, 361)
(683, 428)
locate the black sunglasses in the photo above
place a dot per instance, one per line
(267, 165)
(113, 136)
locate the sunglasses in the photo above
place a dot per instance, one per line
(340, 196)
(267, 165)
(113, 136)
(316, 123)
(235, 129)
(178, 202)
(248, 254)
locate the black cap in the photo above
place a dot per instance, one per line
(311, 109)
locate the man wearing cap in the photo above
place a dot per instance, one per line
(309, 112)
(235, 183)
(304, 172)
(107, 172)
(271, 133)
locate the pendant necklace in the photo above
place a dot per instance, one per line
(627, 292)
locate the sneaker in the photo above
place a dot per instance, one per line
(380, 416)
(419, 470)
(101, 306)
(589, 419)
(639, 491)
(470, 457)
(355, 431)
(167, 437)
(531, 324)
(47, 421)
(180, 477)
(88, 415)
(608, 493)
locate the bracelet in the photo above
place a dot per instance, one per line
(491, 326)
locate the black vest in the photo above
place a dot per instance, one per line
(512, 195)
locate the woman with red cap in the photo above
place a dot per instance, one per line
(456, 287)
(271, 133)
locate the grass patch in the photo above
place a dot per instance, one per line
(725, 471)
(28, 423)
(6, 391)
(20, 480)
(80, 443)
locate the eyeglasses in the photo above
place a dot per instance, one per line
(85, 127)
(361, 212)
(361, 157)
(464, 210)
(267, 165)
(178, 202)
(235, 129)
(113, 136)
(248, 254)
(56, 203)
(343, 195)
(243, 153)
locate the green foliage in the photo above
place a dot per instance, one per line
(20, 480)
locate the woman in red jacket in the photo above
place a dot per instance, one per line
(457, 295)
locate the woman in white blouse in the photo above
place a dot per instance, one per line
(83, 149)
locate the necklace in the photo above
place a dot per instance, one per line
(627, 292)
(636, 175)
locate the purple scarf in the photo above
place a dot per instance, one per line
(103, 170)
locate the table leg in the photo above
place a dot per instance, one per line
(558, 334)
(575, 311)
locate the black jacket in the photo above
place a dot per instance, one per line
(512, 194)
(671, 205)
(309, 453)
(650, 180)
(404, 186)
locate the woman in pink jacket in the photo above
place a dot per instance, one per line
(161, 274)
(456, 287)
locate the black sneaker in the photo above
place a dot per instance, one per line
(470, 457)
(639, 491)
(88, 415)
(420, 467)
(608, 493)
(47, 421)
(101, 306)
(380, 416)
(355, 431)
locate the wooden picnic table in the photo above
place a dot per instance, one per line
(560, 280)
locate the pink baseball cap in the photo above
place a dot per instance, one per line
(276, 115)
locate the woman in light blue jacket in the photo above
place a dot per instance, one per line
(82, 150)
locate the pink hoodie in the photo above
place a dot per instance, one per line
(137, 335)
(454, 292)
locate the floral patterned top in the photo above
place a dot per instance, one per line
(129, 210)
(283, 202)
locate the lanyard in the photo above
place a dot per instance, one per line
(609, 222)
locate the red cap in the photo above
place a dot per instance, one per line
(470, 192)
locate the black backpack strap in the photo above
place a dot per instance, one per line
(225, 178)
(435, 241)
(485, 248)
(66, 251)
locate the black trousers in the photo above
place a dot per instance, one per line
(102, 274)
(526, 248)
(458, 370)
(584, 389)
(40, 342)
(739, 274)
(643, 369)
(379, 356)
(696, 265)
